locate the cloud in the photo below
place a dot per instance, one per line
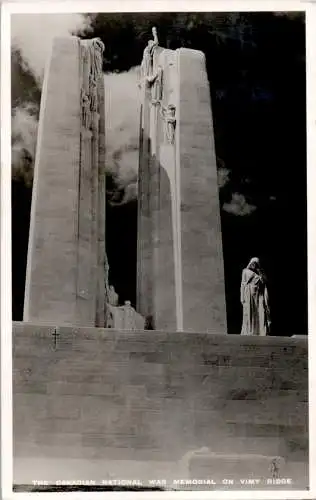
(24, 134)
(33, 34)
(122, 110)
(239, 205)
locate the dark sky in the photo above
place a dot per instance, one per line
(256, 68)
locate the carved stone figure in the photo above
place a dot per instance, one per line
(112, 309)
(92, 56)
(131, 319)
(86, 106)
(147, 69)
(106, 281)
(169, 116)
(113, 297)
(156, 91)
(124, 317)
(97, 47)
(96, 57)
(255, 300)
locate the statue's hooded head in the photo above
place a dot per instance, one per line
(98, 44)
(171, 109)
(254, 264)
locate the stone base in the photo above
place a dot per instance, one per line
(84, 395)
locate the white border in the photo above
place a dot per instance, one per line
(311, 228)
(6, 275)
(6, 340)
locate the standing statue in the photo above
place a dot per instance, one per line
(92, 58)
(112, 308)
(151, 71)
(86, 110)
(169, 116)
(97, 47)
(148, 56)
(156, 82)
(96, 57)
(255, 301)
(113, 297)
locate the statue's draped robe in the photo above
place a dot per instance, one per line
(254, 298)
(124, 318)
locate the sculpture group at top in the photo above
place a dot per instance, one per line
(152, 77)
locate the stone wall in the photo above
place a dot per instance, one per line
(94, 395)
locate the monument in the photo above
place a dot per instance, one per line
(180, 260)
(91, 402)
(180, 263)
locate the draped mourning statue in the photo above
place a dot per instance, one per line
(255, 300)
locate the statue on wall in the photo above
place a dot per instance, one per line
(131, 319)
(255, 300)
(96, 61)
(97, 49)
(169, 118)
(86, 107)
(156, 81)
(85, 90)
(112, 301)
(148, 57)
(113, 297)
(92, 60)
(124, 317)
(151, 72)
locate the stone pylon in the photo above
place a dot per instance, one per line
(180, 257)
(65, 279)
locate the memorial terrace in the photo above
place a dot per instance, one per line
(90, 401)
(183, 397)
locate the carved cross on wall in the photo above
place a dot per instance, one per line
(55, 336)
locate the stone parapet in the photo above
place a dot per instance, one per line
(98, 394)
